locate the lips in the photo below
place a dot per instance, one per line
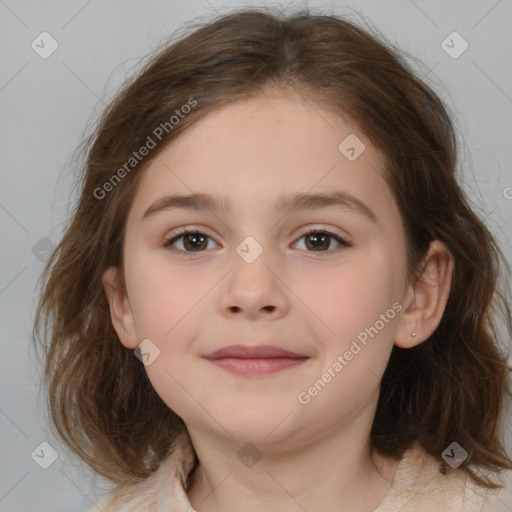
(257, 360)
(258, 352)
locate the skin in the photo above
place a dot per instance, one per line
(314, 301)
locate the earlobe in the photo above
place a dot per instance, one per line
(120, 309)
(427, 297)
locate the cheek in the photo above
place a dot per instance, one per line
(164, 295)
(356, 295)
(360, 306)
(359, 314)
(168, 310)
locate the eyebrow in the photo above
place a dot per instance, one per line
(290, 202)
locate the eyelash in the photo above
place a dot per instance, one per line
(169, 241)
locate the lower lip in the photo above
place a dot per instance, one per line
(257, 366)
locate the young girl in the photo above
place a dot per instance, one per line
(273, 294)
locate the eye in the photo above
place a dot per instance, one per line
(193, 241)
(320, 239)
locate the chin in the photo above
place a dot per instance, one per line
(261, 427)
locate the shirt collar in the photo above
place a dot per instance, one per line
(173, 478)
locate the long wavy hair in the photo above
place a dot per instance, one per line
(452, 386)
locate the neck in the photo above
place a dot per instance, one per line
(334, 472)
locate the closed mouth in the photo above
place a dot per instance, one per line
(253, 361)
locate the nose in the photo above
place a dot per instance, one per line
(255, 288)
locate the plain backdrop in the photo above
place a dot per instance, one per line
(47, 104)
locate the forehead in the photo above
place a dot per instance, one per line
(264, 147)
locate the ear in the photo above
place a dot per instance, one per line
(120, 309)
(427, 297)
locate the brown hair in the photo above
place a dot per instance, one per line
(450, 387)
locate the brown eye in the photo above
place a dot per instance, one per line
(195, 241)
(191, 241)
(318, 241)
(321, 241)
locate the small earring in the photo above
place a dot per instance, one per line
(413, 335)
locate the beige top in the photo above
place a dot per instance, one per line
(418, 486)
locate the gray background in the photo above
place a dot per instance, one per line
(47, 104)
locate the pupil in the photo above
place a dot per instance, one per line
(318, 239)
(196, 240)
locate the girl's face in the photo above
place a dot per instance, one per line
(252, 276)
